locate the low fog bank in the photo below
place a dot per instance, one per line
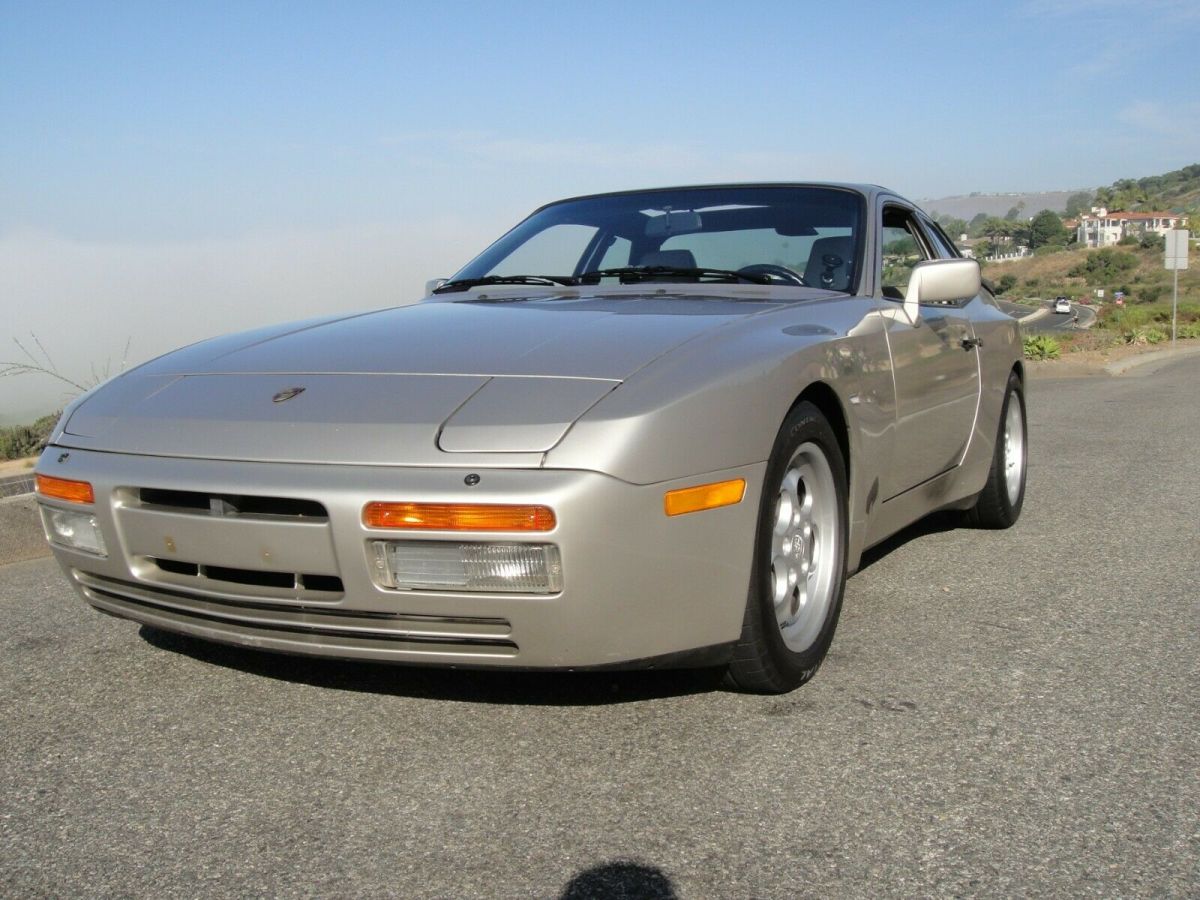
(85, 300)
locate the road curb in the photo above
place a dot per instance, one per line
(16, 485)
(1157, 356)
(1034, 316)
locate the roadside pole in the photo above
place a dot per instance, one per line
(1175, 257)
(1175, 309)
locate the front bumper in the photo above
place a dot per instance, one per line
(637, 585)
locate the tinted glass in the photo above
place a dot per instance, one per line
(814, 232)
(901, 248)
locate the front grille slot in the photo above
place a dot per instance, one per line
(176, 567)
(243, 506)
(249, 576)
(297, 581)
(322, 583)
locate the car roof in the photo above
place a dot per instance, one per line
(867, 190)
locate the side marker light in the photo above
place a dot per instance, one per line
(65, 489)
(704, 496)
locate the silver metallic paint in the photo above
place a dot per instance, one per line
(594, 401)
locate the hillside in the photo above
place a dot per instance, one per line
(1079, 273)
(1178, 190)
(969, 206)
(1174, 190)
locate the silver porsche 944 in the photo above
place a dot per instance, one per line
(643, 429)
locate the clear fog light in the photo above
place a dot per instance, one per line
(77, 530)
(461, 566)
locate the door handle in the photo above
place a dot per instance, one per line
(971, 343)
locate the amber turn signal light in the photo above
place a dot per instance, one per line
(65, 489)
(704, 496)
(458, 516)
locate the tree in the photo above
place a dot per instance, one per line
(1047, 229)
(1078, 203)
(975, 226)
(1015, 213)
(994, 229)
(952, 225)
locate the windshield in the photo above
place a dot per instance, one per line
(776, 235)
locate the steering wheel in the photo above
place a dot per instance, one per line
(775, 273)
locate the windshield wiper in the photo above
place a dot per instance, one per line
(631, 274)
(627, 275)
(463, 284)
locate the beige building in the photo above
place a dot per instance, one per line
(1102, 228)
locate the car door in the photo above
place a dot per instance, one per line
(934, 362)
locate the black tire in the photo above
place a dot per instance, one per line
(762, 661)
(994, 507)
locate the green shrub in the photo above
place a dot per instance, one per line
(1146, 336)
(1006, 283)
(1123, 319)
(1149, 293)
(1103, 266)
(1041, 346)
(18, 441)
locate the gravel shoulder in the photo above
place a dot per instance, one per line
(20, 530)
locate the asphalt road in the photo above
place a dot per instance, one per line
(1002, 714)
(1062, 321)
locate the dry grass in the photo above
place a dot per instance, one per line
(10, 467)
(1046, 277)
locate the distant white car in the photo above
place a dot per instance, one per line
(1062, 305)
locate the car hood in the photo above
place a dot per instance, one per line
(416, 385)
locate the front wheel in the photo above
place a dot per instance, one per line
(799, 567)
(999, 503)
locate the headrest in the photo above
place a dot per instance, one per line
(831, 263)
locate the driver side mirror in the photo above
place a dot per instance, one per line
(940, 281)
(433, 284)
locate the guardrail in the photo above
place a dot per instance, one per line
(16, 485)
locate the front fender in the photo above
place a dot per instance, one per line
(718, 401)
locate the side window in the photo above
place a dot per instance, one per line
(902, 246)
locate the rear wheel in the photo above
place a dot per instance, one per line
(999, 503)
(799, 567)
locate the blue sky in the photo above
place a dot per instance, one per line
(162, 144)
